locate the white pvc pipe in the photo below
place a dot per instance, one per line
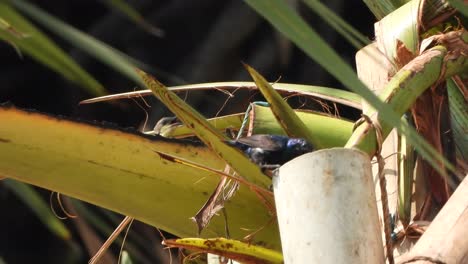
(327, 209)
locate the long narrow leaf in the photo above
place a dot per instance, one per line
(352, 35)
(37, 45)
(231, 249)
(43, 211)
(220, 123)
(103, 52)
(5, 26)
(285, 115)
(458, 117)
(326, 93)
(120, 170)
(134, 16)
(208, 134)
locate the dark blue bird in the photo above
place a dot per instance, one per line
(271, 150)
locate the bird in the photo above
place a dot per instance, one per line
(165, 121)
(266, 150)
(271, 151)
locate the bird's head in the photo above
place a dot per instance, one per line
(299, 145)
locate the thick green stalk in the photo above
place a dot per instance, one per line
(410, 82)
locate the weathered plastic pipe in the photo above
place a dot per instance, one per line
(326, 208)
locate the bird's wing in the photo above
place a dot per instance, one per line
(265, 142)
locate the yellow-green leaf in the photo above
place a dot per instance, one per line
(229, 248)
(330, 131)
(285, 115)
(119, 170)
(220, 123)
